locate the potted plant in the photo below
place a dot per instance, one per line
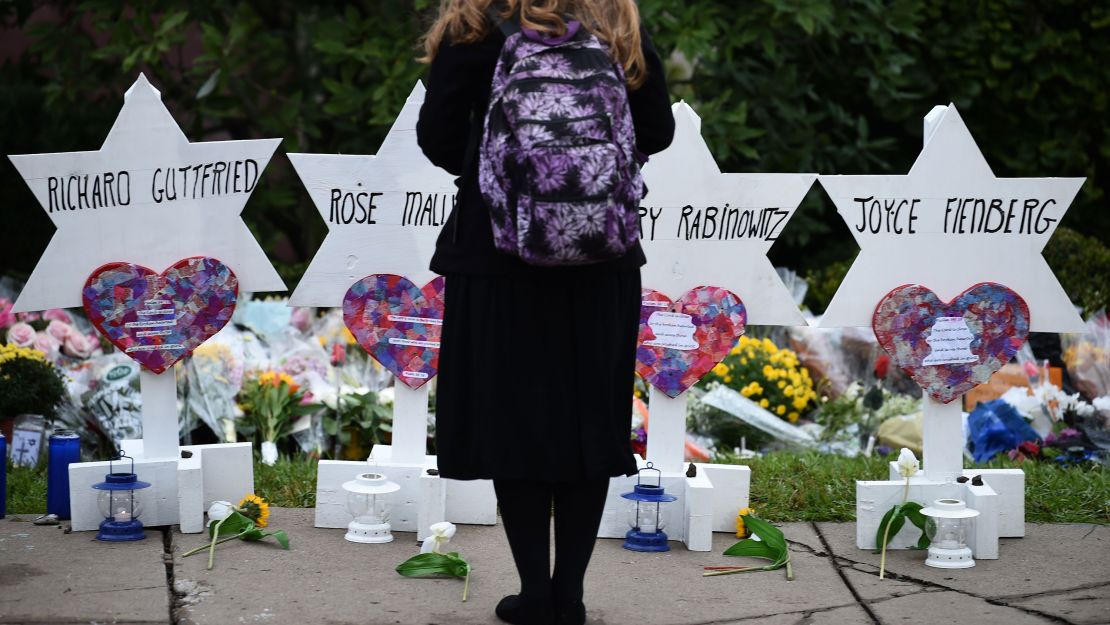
(29, 384)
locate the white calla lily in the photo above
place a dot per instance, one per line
(907, 463)
(442, 533)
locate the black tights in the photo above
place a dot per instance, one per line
(526, 509)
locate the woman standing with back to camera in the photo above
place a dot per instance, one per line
(538, 345)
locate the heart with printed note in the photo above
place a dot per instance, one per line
(681, 341)
(159, 318)
(949, 348)
(398, 323)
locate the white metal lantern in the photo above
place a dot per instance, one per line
(948, 524)
(369, 503)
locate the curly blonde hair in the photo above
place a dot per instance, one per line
(617, 22)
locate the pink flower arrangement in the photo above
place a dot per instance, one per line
(301, 319)
(77, 345)
(47, 344)
(58, 314)
(21, 334)
(7, 317)
(59, 330)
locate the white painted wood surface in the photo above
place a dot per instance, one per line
(943, 434)
(410, 423)
(144, 143)
(397, 180)
(666, 444)
(949, 169)
(685, 178)
(159, 413)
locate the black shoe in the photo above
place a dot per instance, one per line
(516, 610)
(571, 615)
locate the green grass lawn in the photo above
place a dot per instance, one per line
(786, 486)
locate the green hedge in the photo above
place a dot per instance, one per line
(782, 85)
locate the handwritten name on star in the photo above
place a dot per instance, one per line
(413, 208)
(78, 191)
(717, 223)
(960, 215)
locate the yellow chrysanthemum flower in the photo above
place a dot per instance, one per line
(763, 403)
(256, 509)
(792, 417)
(720, 369)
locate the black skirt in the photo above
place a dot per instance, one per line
(535, 375)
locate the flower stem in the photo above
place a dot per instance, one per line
(205, 546)
(466, 584)
(215, 539)
(886, 531)
(743, 569)
(789, 570)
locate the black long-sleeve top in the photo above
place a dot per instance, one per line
(450, 123)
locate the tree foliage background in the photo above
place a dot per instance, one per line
(781, 85)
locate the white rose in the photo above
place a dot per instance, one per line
(219, 510)
(907, 463)
(441, 535)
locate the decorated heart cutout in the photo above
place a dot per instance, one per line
(158, 319)
(949, 348)
(397, 323)
(681, 341)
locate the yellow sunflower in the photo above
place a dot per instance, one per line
(256, 509)
(741, 531)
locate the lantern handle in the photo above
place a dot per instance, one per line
(120, 456)
(649, 467)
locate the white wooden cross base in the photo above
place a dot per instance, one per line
(874, 499)
(424, 498)
(1000, 500)
(707, 502)
(181, 488)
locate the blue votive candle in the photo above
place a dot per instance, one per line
(65, 448)
(3, 476)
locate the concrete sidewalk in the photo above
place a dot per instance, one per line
(1057, 574)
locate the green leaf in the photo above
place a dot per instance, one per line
(896, 519)
(209, 85)
(257, 534)
(433, 564)
(770, 546)
(235, 523)
(752, 549)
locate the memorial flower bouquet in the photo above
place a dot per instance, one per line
(768, 375)
(227, 522)
(271, 400)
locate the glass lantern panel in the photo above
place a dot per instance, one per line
(370, 509)
(645, 516)
(120, 505)
(947, 533)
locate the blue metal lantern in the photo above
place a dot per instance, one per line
(645, 514)
(121, 504)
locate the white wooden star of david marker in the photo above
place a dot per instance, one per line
(383, 211)
(703, 227)
(147, 196)
(948, 224)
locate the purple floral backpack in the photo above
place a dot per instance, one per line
(557, 162)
